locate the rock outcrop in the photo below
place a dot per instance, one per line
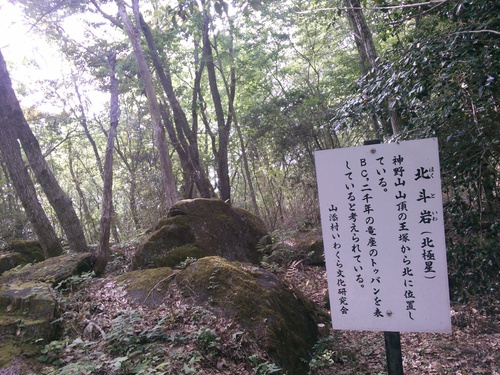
(279, 318)
(20, 252)
(28, 301)
(197, 228)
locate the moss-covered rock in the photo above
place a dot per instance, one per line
(53, 270)
(33, 298)
(147, 286)
(308, 246)
(279, 318)
(15, 357)
(9, 261)
(32, 248)
(15, 327)
(28, 302)
(198, 228)
(20, 252)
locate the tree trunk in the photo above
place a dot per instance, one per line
(223, 126)
(102, 253)
(362, 36)
(58, 199)
(12, 117)
(89, 221)
(185, 139)
(158, 130)
(230, 92)
(368, 56)
(82, 119)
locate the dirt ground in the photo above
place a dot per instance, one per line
(473, 347)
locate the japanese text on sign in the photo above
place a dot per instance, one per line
(383, 231)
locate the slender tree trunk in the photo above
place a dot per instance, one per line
(58, 199)
(167, 173)
(230, 92)
(11, 155)
(223, 126)
(368, 56)
(11, 117)
(133, 202)
(82, 119)
(362, 35)
(91, 225)
(184, 140)
(103, 252)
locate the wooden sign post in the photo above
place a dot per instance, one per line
(383, 232)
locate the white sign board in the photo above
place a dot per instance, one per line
(382, 221)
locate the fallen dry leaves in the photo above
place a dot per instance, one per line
(472, 348)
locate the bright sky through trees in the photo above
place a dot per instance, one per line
(31, 60)
(21, 47)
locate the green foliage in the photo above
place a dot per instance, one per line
(126, 349)
(474, 265)
(70, 284)
(184, 340)
(207, 341)
(442, 73)
(185, 263)
(263, 368)
(276, 254)
(324, 356)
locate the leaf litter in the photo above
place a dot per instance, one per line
(100, 324)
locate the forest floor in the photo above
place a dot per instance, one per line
(222, 347)
(473, 347)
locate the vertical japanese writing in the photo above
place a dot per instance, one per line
(369, 213)
(404, 237)
(427, 217)
(352, 198)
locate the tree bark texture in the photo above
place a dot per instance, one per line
(103, 252)
(58, 199)
(223, 126)
(10, 117)
(154, 107)
(182, 136)
(91, 228)
(368, 54)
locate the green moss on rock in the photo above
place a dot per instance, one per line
(53, 270)
(34, 299)
(279, 318)
(20, 252)
(19, 356)
(26, 247)
(198, 228)
(9, 261)
(146, 286)
(179, 254)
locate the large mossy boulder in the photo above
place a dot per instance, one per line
(279, 318)
(20, 252)
(52, 271)
(29, 302)
(197, 228)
